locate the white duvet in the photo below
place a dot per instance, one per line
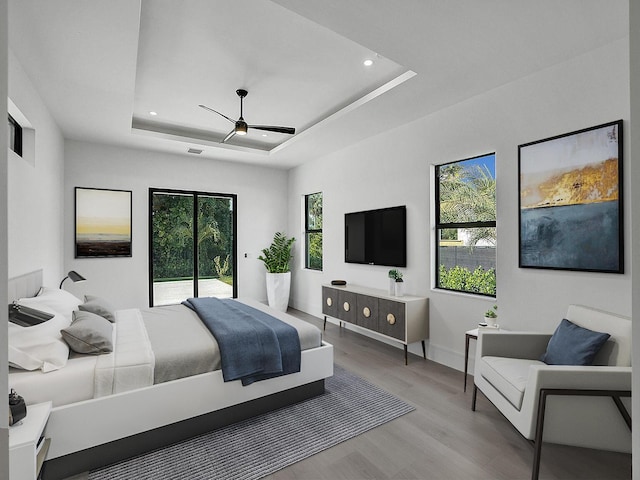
(130, 366)
(131, 363)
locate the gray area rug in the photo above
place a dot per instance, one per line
(262, 445)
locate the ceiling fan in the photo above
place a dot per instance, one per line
(241, 126)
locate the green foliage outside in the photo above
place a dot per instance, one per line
(464, 280)
(173, 232)
(314, 250)
(314, 239)
(467, 194)
(277, 256)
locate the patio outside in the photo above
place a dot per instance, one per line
(169, 293)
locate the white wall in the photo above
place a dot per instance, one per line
(35, 187)
(262, 210)
(4, 386)
(393, 169)
(634, 147)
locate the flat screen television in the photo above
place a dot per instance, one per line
(376, 237)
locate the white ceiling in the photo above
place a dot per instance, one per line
(102, 65)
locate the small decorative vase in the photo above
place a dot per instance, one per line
(399, 289)
(392, 286)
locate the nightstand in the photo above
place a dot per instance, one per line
(27, 446)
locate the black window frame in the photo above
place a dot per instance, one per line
(439, 226)
(195, 194)
(15, 135)
(309, 231)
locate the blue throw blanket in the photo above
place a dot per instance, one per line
(253, 345)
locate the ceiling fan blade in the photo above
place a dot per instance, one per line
(229, 135)
(271, 128)
(214, 111)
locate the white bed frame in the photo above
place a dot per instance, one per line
(92, 433)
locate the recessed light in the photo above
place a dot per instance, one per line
(265, 135)
(153, 113)
(368, 62)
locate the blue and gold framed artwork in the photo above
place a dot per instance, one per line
(102, 223)
(571, 201)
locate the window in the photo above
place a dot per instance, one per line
(313, 231)
(15, 136)
(465, 200)
(192, 251)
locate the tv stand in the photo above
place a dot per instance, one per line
(402, 319)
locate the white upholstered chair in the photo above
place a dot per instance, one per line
(570, 405)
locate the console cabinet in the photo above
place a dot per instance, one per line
(404, 319)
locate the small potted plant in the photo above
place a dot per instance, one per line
(399, 286)
(393, 274)
(396, 283)
(490, 316)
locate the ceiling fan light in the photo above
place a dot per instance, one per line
(241, 128)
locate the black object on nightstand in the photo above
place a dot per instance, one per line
(26, 316)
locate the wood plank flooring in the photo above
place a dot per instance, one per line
(442, 439)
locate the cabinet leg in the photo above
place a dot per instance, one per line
(406, 357)
(325, 323)
(424, 350)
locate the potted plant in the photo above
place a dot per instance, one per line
(399, 286)
(396, 285)
(277, 260)
(490, 316)
(393, 274)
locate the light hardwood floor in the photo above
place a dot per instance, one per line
(442, 439)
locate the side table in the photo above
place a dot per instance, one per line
(468, 335)
(27, 446)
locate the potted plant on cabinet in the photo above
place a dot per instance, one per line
(396, 285)
(277, 260)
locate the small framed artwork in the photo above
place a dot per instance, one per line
(102, 223)
(571, 201)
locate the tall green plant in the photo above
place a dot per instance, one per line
(277, 257)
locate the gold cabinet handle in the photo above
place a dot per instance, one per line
(329, 301)
(346, 306)
(366, 312)
(391, 319)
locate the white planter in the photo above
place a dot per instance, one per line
(278, 286)
(399, 289)
(392, 286)
(490, 321)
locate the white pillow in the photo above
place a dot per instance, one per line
(53, 300)
(39, 347)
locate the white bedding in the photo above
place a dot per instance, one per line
(131, 363)
(70, 384)
(130, 366)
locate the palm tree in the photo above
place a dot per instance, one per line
(468, 195)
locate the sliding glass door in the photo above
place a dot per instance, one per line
(192, 245)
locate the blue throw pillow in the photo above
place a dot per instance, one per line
(573, 345)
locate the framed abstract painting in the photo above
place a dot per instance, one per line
(571, 201)
(102, 223)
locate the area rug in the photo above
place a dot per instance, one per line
(262, 445)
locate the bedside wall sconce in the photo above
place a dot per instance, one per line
(74, 277)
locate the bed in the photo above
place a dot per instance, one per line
(98, 419)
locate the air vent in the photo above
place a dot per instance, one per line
(195, 151)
